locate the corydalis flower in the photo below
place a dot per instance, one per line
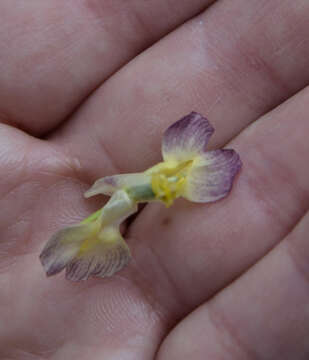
(95, 247)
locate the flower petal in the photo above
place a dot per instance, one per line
(109, 184)
(211, 176)
(107, 257)
(62, 247)
(186, 138)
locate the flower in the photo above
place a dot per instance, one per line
(95, 247)
(187, 170)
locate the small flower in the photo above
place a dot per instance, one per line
(188, 170)
(95, 247)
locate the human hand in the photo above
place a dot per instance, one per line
(230, 278)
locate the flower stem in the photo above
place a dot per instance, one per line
(92, 217)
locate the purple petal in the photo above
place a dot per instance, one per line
(186, 138)
(102, 261)
(62, 247)
(211, 177)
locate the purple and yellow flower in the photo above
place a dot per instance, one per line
(95, 247)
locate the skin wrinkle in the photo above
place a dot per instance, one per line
(144, 285)
(220, 322)
(258, 63)
(139, 280)
(168, 277)
(292, 250)
(146, 28)
(27, 245)
(20, 351)
(286, 175)
(6, 120)
(24, 166)
(253, 58)
(27, 355)
(268, 205)
(22, 170)
(14, 247)
(103, 10)
(141, 20)
(7, 262)
(60, 164)
(20, 342)
(152, 318)
(233, 84)
(73, 167)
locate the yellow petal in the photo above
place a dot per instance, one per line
(168, 180)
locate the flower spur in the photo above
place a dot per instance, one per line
(95, 247)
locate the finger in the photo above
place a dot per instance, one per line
(220, 64)
(55, 53)
(263, 315)
(197, 250)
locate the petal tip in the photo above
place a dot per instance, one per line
(212, 178)
(61, 248)
(187, 137)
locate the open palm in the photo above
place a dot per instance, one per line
(86, 90)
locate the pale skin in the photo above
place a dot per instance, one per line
(228, 280)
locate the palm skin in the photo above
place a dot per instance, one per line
(227, 280)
